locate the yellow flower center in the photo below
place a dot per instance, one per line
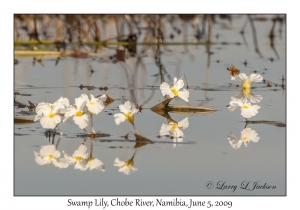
(79, 113)
(129, 163)
(174, 91)
(92, 102)
(129, 118)
(245, 138)
(51, 115)
(78, 158)
(247, 87)
(245, 106)
(50, 156)
(174, 127)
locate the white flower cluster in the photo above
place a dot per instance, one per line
(80, 158)
(48, 154)
(50, 114)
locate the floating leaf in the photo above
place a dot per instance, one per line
(23, 120)
(141, 141)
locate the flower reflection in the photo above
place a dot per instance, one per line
(247, 109)
(246, 95)
(49, 155)
(78, 158)
(174, 90)
(172, 128)
(247, 135)
(247, 81)
(125, 167)
(94, 163)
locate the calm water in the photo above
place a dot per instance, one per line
(186, 167)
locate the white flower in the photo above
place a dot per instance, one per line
(172, 128)
(247, 109)
(247, 135)
(49, 155)
(78, 157)
(95, 105)
(174, 90)
(125, 167)
(49, 114)
(80, 118)
(94, 163)
(127, 113)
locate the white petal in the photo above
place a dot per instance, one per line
(255, 98)
(178, 85)
(57, 106)
(68, 158)
(119, 118)
(81, 152)
(250, 134)
(241, 77)
(81, 121)
(184, 123)
(61, 163)
(42, 161)
(233, 77)
(165, 129)
(95, 108)
(234, 103)
(69, 113)
(165, 89)
(125, 170)
(184, 95)
(233, 141)
(128, 106)
(80, 166)
(37, 117)
(103, 97)
(133, 111)
(119, 163)
(64, 101)
(50, 123)
(81, 101)
(96, 164)
(124, 109)
(250, 111)
(40, 107)
(256, 78)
